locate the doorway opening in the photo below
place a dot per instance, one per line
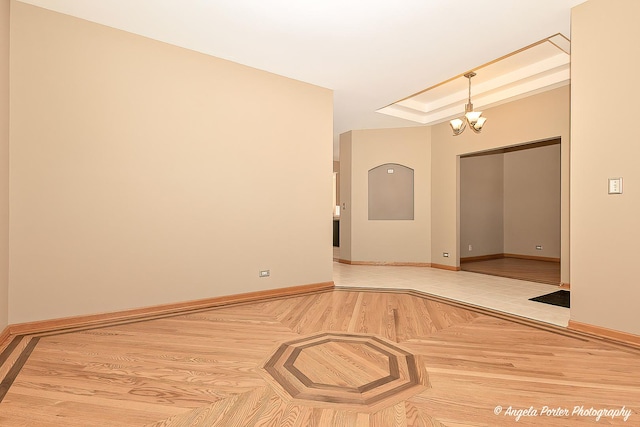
(510, 212)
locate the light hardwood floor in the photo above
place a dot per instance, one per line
(516, 268)
(497, 293)
(335, 358)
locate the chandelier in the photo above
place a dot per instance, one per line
(471, 117)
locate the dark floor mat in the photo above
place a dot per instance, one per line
(559, 298)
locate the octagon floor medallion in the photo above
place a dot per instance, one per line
(345, 369)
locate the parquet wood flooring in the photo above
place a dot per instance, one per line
(432, 361)
(516, 268)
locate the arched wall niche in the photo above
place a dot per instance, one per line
(391, 192)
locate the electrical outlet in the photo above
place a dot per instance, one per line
(538, 247)
(470, 248)
(265, 273)
(445, 254)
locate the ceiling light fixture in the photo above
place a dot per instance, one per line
(472, 117)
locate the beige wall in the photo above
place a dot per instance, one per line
(532, 201)
(482, 205)
(390, 240)
(336, 169)
(605, 229)
(142, 173)
(345, 195)
(4, 163)
(508, 124)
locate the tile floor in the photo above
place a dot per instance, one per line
(498, 293)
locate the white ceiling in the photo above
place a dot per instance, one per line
(370, 52)
(534, 69)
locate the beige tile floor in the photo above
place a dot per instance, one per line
(498, 293)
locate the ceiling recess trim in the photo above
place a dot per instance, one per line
(539, 67)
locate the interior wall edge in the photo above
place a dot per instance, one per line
(5, 337)
(599, 331)
(505, 255)
(143, 313)
(445, 267)
(4, 160)
(386, 263)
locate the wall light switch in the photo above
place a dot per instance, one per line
(615, 185)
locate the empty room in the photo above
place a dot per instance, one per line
(171, 173)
